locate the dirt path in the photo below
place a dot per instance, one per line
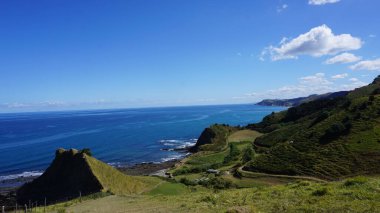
(248, 174)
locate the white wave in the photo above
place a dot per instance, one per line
(172, 157)
(179, 143)
(21, 175)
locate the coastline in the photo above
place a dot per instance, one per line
(139, 169)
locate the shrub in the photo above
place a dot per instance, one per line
(233, 154)
(216, 183)
(371, 98)
(247, 154)
(320, 192)
(356, 181)
(187, 182)
(335, 130)
(320, 118)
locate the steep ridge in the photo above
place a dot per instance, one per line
(298, 101)
(326, 138)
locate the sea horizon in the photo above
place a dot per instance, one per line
(120, 137)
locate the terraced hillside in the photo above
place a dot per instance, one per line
(328, 138)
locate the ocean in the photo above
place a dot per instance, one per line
(119, 137)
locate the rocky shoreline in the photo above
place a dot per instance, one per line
(148, 168)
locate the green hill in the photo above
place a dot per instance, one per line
(327, 138)
(298, 101)
(213, 138)
(73, 172)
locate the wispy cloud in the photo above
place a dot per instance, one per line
(343, 58)
(371, 65)
(50, 104)
(307, 85)
(322, 2)
(319, 41)
(282, 7)
(340, 76)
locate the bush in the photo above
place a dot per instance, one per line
(233, 155)
(320, 118)
(320, 192)
(356, 181)
(187, 182)
(336, 130)
(247, 154)
(216, 183)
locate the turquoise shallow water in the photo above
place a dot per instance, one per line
(119, 137)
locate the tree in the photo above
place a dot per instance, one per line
(247, 154)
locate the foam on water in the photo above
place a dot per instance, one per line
(21, 175)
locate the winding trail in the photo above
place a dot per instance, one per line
(248, 174)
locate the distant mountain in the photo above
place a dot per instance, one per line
(328, 138)
(297, 101)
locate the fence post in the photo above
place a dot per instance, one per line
(45, 205)
(16, 208)
(26, 208)
(80, 196)
(3, 209)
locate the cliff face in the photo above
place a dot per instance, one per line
(213, 138)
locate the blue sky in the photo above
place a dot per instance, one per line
(66, 54)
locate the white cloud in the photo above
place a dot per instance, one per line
(339, 76)
(313, 84)
(372, 35)
(282, 8)
(322, 2)
(343, 58)
(371, 65)
(317, 42)
(317, 79)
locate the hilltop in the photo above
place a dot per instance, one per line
(73, 172)
(298, 101)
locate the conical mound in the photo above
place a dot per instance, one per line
(72, 173)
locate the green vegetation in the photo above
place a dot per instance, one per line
(213, 138)
(301, 196)
(282, 164)
(327, 138)
(167, 188)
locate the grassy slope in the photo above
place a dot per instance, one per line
(118, 183)
(297, 142)
(203, 160)
(72, 172)
(355, 195)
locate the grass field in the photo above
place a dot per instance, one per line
(243, 135)
(360, 194)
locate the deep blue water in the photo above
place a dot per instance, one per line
(126, 136)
